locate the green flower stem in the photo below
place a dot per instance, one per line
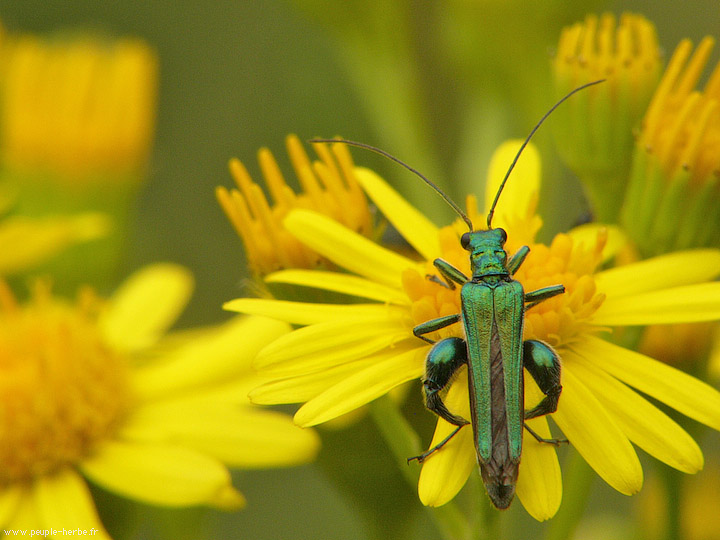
(492, 524)
(578, 478)
(605, 194)
(404, 442)
(672, 484)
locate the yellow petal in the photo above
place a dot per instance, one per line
(412, 224)
(593, 432)
(312, 313)
(445, 471)
(522, 186)
(10, 498)
(539, 485)
(63, 502)
(643, 423)
(161, 474)
(239, 436)
(146, 305)
(26, 515)
(342, 283)
(663, 272)
(222, 354)
(320, 346)
(228, 499)
(587, 234)
(346, 248)
(302, 388)
(689, 303)
(362, 387)
(29, 241)
(671, 386)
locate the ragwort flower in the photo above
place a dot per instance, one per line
(346, 355)
(594, 132)
(78, 107)
(328, 186)
(78, 122)
(674, 186)
(90, 390)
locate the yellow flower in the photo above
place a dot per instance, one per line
(673, 194)
(594, 132)
(77, 106)
(78, 119)
(91, 390)
(346, 355)
(329, 187)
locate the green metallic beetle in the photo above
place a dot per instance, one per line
(493, 309)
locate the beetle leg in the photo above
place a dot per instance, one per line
(433, 325)
(543, 365)
(422, 457)
(450, 275)
(517, 259)
(442, 362)
(538, 438)
(533, 298)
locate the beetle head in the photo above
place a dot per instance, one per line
(487, 252)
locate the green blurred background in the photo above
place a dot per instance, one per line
(235, 76)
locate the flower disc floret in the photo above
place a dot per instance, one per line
(62, 389)
(554, 321)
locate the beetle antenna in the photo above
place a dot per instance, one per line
(440, 192)
(525, 143)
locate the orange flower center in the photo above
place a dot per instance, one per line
(555, 321)
(61, 388)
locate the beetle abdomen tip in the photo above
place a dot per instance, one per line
(501, 495)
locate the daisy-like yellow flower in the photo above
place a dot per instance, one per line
(91, 391)
(328, 186)
(346, 355)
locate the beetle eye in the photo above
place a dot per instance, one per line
(465, 240)
(504, 234)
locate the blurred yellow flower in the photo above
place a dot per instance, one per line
(346, 355)
(697, 495)
(76, 106)
(92, 390)
(77, 124)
